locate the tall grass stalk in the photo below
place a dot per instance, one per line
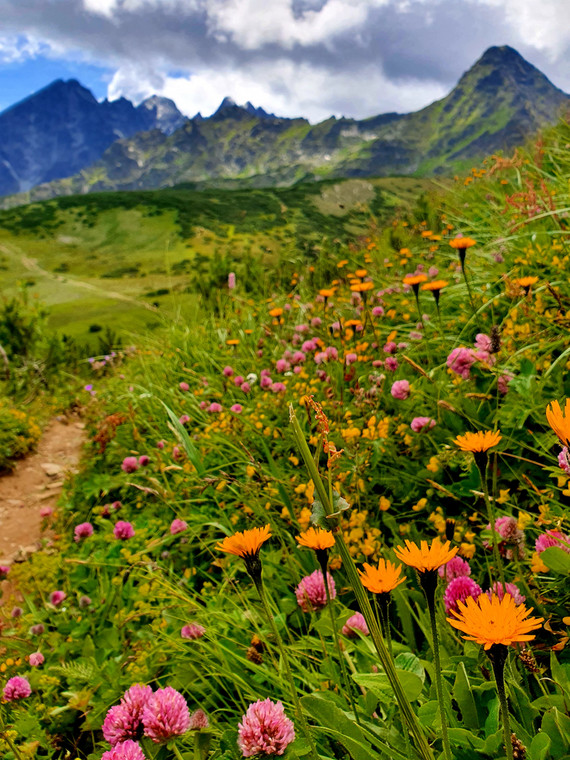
(419, 737)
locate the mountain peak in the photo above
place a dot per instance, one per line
(501, 55)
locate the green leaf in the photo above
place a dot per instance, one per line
(318, 515)
(461, 737)
(557, 726)
(411, 663)
(379, 685)
(428, 715)
(182, 434)
(464, 697)
(332, 718)
(539, 747)
(556, 559)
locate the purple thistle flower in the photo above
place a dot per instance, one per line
(459, 590)
(509, 588)
(311, 593)
(128, 750)
(16, 688)
(165, 715)
(192, 631)
(123, 530)
(83, 530)
(198, 720)
(178, 526)
(455, 568)
(355, 625)
(265, 729)
(130, 464)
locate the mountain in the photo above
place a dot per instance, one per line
(62, 129)
(495, 105)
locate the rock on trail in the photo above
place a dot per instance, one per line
(36, 482)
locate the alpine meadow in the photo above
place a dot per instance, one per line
(285, 429)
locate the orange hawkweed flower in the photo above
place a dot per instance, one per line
(494, 621)
(361, 273)
(361, 287)
(327, 292)
(461, 243)
(317, 539)
(415, 279)
(435, 286)
(559, 420)
(245, 544)
(381, 579)
(479, 441)
(526, 282)
(232, 342)
(425, 558)
(277, 312)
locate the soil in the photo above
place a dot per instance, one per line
(36, 482)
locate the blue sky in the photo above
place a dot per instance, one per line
(19, 79)
(308, 58)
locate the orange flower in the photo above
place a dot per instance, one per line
(317, 539)
(381, 579)
(436, 285)
(415, 279)
(361, 273)
(479, 441)
(361, 287)
(559, 420)
(327, 292)
(461, 243)
(277, 312)
(245, 544)
(424, 558)
(493, 621)
(342, 263)
(232, 342)
(526, 282)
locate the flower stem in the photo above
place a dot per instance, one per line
(482, 467)
(11, 744)
(428, 582)
(498, 656)
(295, 697)
(177, 752)
(343, 671)
(408, 714)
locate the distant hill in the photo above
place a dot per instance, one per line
(61, 129)
(495, 106)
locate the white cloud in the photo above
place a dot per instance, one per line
(285, 88)
(16, 48)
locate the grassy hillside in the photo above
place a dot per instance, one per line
(126, 260)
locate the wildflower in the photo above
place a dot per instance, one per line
(381, 579)
(265, 729)
(479, 441)
(4, 570)
(123, 530)
(311, 593)
(509, 588)
(415, 279)
(128, 750)
(461, 244)
(36, 659)
(231, 280)
(165, 715)
(46, 512)
(83, 530)
(57, 597)
(489, 621)
(400, 389)
(192, 631)
(435, 286)
(227, 371)
(425, 558)
(121, 723)
(316, 538)
(184, 387)
(37, 630)
(503, 383)
(184, 419)
(526, 282)
(130, 464)
(552, 538)
(512, 540)
(391, 363)
(216, 408)
(460, 361)
(16, 688)
(458, 590)
(84, 601)
(144, 460)
(16, 612)
(422, 423)
(246, 544)
(236, 408)
(455, 568)
(355, 625)
(198, 720)
(178, 526)
(559, 420)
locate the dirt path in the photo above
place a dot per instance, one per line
(35, 483)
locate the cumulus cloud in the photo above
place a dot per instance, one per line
(293, 57)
